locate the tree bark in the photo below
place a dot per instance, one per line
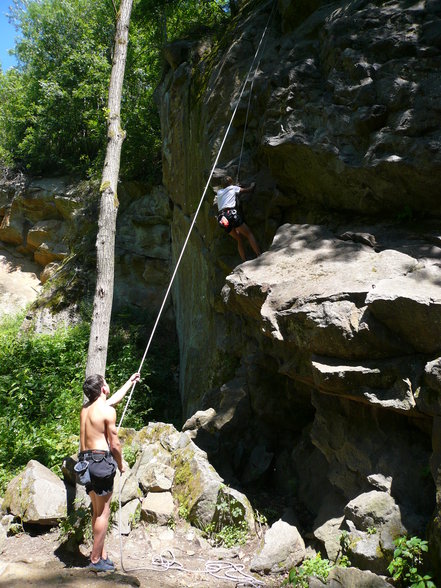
(105, 242)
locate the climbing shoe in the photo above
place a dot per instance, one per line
(102, 566)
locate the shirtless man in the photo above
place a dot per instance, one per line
(101, 448)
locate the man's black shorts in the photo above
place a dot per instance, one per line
(102, 469)
(234, 217)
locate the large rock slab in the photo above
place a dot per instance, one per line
(36, 495)
(355, 578)
(315, 291)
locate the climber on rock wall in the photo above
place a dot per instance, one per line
(231, 218)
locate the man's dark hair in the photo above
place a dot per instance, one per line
(227, 181)
(92, 386)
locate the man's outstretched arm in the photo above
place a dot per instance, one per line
(249, 189)
(119, 395)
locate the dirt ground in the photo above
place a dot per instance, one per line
(19, 283)
(37, 560)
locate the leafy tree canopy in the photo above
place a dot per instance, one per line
(53, 105)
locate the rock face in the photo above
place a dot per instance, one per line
(54, 221)
(330, 339)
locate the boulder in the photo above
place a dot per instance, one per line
(156, 478)
(375, 520)
(157, 507)
(151, 456)
(328, 535)
(200, 490)
(129, 513)
(283, 549)
(129, 486)
(36, 495)
(50, 252)
(38, 199)
(12, 229)
(201, 419)
(49, 271)
(354, 578)
(3, 535)
(432, 374)
(375, 509)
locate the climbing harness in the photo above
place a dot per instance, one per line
(221, 570)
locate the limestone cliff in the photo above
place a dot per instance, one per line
(321, 357)
(53, 221)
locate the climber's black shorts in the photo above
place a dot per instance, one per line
(102, 469)
(234, 217)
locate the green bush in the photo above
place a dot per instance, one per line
(41, 378)
(407, 562)
(315, 566)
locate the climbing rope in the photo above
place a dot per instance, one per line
(251, 91)
(221, 570)
(252, 66)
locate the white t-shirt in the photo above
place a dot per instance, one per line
(226, 198)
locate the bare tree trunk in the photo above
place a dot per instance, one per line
(105, 242)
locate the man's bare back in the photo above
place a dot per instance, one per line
(95, 419)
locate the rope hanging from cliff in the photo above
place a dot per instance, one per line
(251, 93)
(252, 66)
(219, 570)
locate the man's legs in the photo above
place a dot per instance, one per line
(238, 238)
(246, 232)
(100, 522)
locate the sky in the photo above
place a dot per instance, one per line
(7, 35)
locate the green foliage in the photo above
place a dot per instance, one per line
(41, 379)
(315, 566)
(130, 453)
(228, 527)
(40, 391)
(260, 518)
(342, 559)
(76, 528)
(183, 512)
(229, 535)
(53, 107)
(52, 113)
(407, 562)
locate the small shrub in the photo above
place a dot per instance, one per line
(407, 562)
(76, 528)
(228, 527)
(315, 566)
(130, 453)
(183, 512)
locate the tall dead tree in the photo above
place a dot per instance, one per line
(105, 242)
